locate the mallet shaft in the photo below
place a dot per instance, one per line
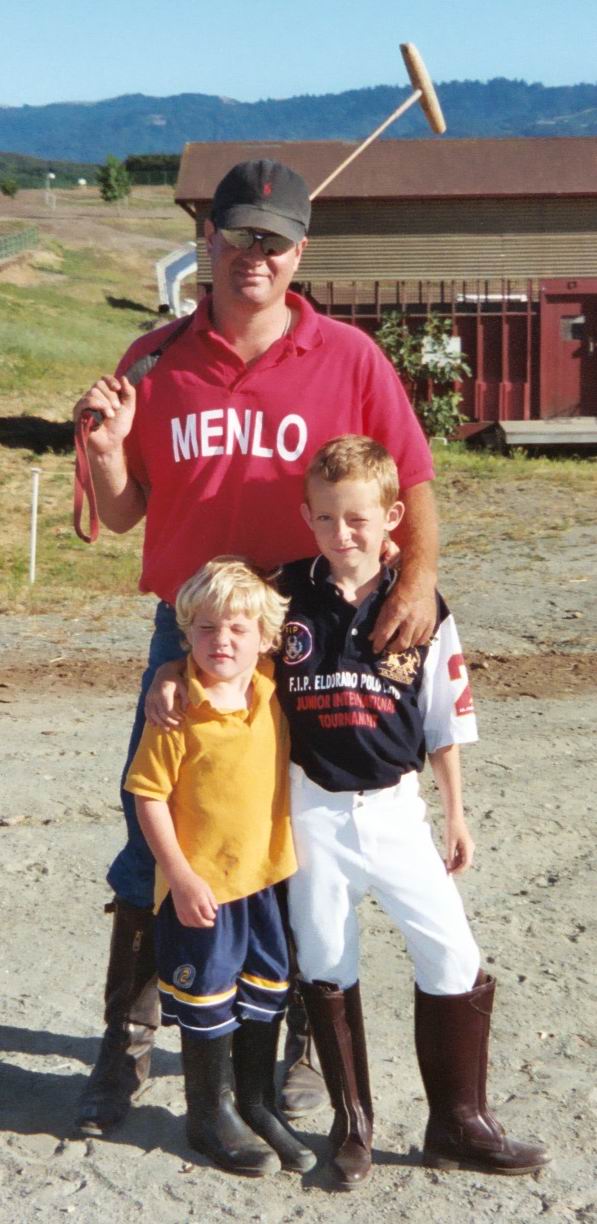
(382, 127)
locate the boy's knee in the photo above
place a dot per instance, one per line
(453, 972)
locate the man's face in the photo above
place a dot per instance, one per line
(250, 276)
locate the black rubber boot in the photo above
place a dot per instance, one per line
(337, 1023)
(303, 1090)
(452, 1041)
(132, 1015)
(254, 1056)
(214, 1125)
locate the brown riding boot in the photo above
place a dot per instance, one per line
(303, 1090)
(132, 1015)
(452, 1040)
(336, 1020)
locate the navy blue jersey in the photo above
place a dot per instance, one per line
(359, 721)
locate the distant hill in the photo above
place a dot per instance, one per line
(134, 123)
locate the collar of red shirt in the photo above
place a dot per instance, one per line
(306, 334)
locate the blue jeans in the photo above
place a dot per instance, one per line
(132, 872)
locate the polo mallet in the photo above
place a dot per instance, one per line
(423, 93)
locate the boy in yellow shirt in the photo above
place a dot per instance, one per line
(212, 801)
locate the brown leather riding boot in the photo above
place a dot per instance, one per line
(336, 1020)
(452, 1041)
(132, 1015)
(303, 1090)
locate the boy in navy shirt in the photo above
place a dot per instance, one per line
(361, 725)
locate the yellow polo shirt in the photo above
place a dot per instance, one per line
(224, 775)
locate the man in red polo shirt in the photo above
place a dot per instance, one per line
(211, 448)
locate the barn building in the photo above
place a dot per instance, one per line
(500, 235)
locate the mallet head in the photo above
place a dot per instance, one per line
(420, 79)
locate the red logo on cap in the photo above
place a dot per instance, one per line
(267, 190)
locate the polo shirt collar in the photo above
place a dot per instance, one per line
(199, 696)
(305, 335)
(319, 574)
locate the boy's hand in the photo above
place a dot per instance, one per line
(194, 902)
(167, 697)
(460, 848)
(390, 553)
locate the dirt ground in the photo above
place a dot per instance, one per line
(83, 220)
(66, 697)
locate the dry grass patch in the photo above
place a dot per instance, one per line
(528, 501)
(485, 497)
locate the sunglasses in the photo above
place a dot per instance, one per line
(245, 239)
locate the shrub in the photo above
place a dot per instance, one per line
(429, 364)
(113, 180)
(9, 187)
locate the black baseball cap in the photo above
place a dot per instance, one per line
(263, 195)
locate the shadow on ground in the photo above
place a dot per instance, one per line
(35, 1101)
(36, 434)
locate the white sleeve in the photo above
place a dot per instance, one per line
(445, 699)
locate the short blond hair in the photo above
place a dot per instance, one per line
(232, 584)
(355, 457)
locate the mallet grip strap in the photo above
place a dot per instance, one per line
(84, 487)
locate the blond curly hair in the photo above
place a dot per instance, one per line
(232, 585)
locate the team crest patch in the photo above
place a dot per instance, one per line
(401, 668)
(298, 642)
(184, 976)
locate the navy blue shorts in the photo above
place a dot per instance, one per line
(212, 978)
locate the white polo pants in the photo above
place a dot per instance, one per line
(349, 843)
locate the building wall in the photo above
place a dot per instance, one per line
(479, 262)
(448, 239)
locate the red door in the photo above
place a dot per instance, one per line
(568, 348)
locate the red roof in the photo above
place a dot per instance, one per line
(437, 168)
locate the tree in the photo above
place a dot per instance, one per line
(429, 361)
(114, 181)
(9, 187)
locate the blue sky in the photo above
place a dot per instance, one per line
(74, 50)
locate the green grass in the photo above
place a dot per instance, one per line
(57, 335)
(7, 226)
(69, 572)
(457, 459)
